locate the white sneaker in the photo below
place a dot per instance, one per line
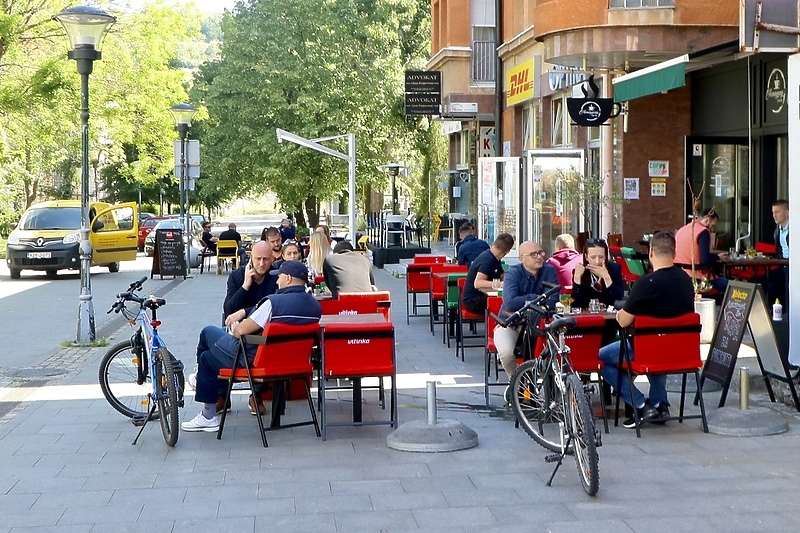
(201, 423)
(192, 380)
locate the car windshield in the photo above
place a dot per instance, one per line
(151, 222)
(56, 218)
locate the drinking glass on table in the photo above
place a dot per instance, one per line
(496, 284)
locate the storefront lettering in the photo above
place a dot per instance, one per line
(775, 94)
(563, 77)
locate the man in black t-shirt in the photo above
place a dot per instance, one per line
(486, 272)
(231, 234)
(666, 292)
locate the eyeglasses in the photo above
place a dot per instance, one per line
(538, 253)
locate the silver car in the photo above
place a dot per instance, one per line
(173, 223)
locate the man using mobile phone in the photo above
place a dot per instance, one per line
(249, 284)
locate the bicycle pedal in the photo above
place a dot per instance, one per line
(138, 420)
(552, 458)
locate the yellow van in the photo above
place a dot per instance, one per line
(48, 235)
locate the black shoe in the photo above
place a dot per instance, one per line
(663, 414)
(645, 414)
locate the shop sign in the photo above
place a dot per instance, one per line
(522, 81)
(591, 110)
(775, 95)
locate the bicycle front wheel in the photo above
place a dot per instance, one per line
(581, 427)
(119, 379)
(166, 396)
(537, 404)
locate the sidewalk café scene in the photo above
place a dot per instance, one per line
(419, 286)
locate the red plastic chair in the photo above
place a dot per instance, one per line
(493, 306)
(356, 351)
(584, 341)
(667, 346)
(283, 355)
(438, 294)
(616, 254)
(468, 317)
(429, 259)
(383, 299)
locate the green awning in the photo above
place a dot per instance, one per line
(651, 80)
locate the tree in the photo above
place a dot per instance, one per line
(317, 69)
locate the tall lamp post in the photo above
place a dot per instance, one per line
(393, 169)
(85, 26)
(183, 113)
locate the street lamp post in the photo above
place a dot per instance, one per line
(85, 26)
(393, 169)
(183, 113)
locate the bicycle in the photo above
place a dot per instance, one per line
(549, 399)
(140, 375)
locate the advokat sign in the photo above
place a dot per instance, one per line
(423, 92)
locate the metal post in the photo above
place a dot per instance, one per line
(183, 129)
(86, 328)
(431, 390)
(744, 388)
(351, 185)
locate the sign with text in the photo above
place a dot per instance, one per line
(523, 81)
(423, 92)
(169, 258)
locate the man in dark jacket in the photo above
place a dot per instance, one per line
(249, 284)
(217, 348)
(469, 247)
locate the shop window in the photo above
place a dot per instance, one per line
(561, 132)
(531, 127)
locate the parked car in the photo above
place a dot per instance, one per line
(174, 223)
(144, 216)
(47, 237)
(146, 226)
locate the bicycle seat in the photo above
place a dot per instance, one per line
(561, 323)
(154, 303)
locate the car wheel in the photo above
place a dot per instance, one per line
(113, 267)
(52, 274)
(15, 273)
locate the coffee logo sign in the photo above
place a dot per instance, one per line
(775, 94)
(591, 110)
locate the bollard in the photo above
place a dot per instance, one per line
(744, 388)
(431, 403)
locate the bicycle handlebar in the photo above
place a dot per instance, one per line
(535, 305)
(150, 302)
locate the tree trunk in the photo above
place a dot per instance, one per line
(299, 217)
(312, 210)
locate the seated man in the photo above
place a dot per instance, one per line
(347, 271)
(273, 236)
(249, 284)
(523, 282)
(231, 234)
(209, 240)
(486, 272)
(664, 293)
(287, 230)
(217, 348)
(565, 259)
(469, 247)
(700, 246)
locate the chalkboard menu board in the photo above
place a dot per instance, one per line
(744, 305)
(169, 257)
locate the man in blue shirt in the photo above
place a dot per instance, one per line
(778, 279)
(470, 247)
(522, 282)
(486, 272)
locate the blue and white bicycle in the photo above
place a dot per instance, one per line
(139, 377)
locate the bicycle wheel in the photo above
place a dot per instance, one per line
(166, 396)
(537, 405)
(119, 376)
(581, 427)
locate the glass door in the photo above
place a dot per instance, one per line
(719, 175)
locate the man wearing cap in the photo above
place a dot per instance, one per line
(291, 304)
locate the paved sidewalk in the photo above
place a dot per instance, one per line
(67, 464)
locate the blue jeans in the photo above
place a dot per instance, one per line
(609, 354)
(210, 359)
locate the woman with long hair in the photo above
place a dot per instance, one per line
(596, 278)
(318, 249)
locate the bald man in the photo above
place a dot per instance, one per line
(522, 282)
(249, 284)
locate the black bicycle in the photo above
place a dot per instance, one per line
(549, 398)
(139, 377)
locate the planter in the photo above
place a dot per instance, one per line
(706, 308)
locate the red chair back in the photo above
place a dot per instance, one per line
(494, 304)
(584, 341)
(358, 350)
(418, 277)
(427, 259)
(765, 248)
(439, 285)
(465, 314)
(319, 278)
(349, 307)
(666, 344)
(288, 350)
(616, 254)
(383, 300)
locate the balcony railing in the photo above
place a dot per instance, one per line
(483, 61)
